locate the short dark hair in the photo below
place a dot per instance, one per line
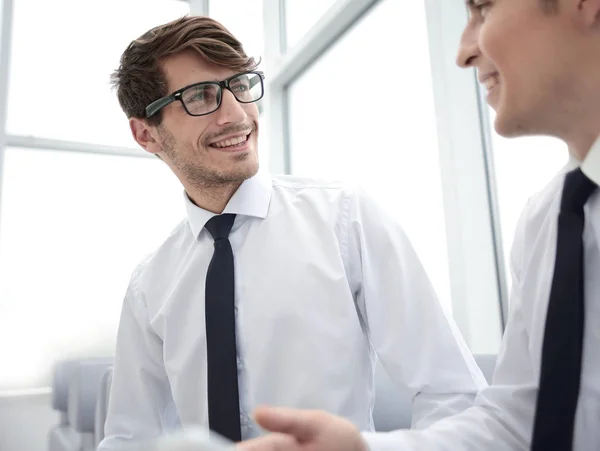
(140, 80)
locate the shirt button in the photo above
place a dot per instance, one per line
(240, 364)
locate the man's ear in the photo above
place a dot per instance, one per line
(144, 135)
(589, 11)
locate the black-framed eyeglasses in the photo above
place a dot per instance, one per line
(205, 97)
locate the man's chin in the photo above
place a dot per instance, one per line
(506, 123)
(247, 169)
(250, 170)
(512, 127)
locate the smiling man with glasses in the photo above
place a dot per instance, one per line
(278, 290)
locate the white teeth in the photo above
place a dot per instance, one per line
(230, 142)
(491, 82)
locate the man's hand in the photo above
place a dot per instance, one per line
(303, 430)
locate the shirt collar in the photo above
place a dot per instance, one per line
(591, 164)
(252, 198)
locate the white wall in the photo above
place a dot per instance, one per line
(25, 421)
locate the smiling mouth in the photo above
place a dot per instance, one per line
(491, 82)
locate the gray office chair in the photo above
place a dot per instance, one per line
(392, 410)
(102, 406)
(62, 436)
(487, 364)
(393, 405)
(84, 387)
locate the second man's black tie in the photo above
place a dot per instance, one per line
(223, 396)
(562, 351)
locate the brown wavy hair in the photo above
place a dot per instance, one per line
(140, 80)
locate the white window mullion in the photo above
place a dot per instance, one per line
(5, 49)
(338, 19)
(199, 7)
(501, 268)
(32, 142)
(474, 277)
(275, 124)
(285, 65)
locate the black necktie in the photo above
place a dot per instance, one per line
(562, 350)
(223, 397)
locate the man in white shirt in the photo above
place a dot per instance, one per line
(278, 291)
(540, 61)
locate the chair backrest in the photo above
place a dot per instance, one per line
(83, 393)
(487, 364)
(62, 373)
(102, 406)
(62, 436)
(393, 404)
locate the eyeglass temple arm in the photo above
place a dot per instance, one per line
(157, 105)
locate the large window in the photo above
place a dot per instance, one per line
(301, 15)
(523, 166)
(364, 111)
(73, 226)
(63, 52)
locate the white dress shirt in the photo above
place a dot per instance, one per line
(502, 418)
(325, 283)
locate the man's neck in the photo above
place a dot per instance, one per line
(580, 145)
(212, 198)
(581, 116)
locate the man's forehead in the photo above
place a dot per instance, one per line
(183, 70)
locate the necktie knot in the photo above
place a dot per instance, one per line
(219, 226)
(576, 191)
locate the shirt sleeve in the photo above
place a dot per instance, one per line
(416, 341)
(502, 415)
(140, 396)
